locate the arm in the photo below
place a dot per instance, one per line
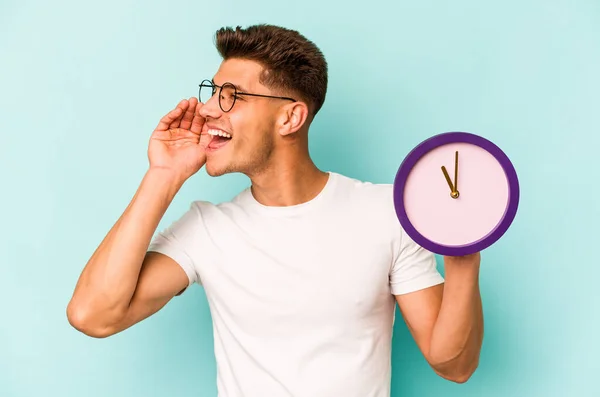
(121, 283)
(446, 320)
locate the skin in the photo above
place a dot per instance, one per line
(446, 320)
(122, 284)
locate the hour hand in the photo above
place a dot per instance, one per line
(453, 191)
(448, 178)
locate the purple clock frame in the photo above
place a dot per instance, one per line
(439, 140)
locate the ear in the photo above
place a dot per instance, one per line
(291, 118)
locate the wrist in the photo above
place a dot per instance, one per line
(472, 260)
(165, 180)
(463, 265)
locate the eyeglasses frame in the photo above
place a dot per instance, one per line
(209, 83)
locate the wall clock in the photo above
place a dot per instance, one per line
(456, 193)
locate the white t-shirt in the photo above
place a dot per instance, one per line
(301, 297)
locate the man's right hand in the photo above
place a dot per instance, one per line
(177, 144)
(123, 283)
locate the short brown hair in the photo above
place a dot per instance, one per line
(292, 63)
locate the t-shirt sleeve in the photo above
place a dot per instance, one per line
(414, 267)
(178, 241)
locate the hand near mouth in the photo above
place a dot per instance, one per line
(177, 144)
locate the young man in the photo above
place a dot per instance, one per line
(302, 271)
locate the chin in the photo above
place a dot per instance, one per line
(213, 171)
(213, 168)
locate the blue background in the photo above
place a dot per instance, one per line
(83, 84)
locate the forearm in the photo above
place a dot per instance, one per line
(109, 279)
(458, 332)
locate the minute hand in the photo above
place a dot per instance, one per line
(456, 172)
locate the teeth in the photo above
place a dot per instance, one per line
(219, 133)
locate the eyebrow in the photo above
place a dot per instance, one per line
(237, 86)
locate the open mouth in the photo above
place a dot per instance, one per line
(219, 139)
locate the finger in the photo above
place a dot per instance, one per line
(184, 105)
(188, 116)
(198, 120)
(175, 135)
(204, 140)
(171, 117)
(166, 121)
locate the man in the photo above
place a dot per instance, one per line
(302, 270)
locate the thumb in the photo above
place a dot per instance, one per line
(204, 141)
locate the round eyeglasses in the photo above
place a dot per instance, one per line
(228, 94)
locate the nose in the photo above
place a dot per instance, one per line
(211, 108)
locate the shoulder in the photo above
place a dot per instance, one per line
(375, 203)
(378, 196)
(208, 211)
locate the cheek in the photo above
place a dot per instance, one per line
(252, 125)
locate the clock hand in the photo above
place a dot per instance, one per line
(448, 179)
(453, 191)
(456, 172)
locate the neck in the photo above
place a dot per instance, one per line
(290, 179)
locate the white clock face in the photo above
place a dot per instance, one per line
(483, 194)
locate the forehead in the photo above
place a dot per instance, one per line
(240, 72)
